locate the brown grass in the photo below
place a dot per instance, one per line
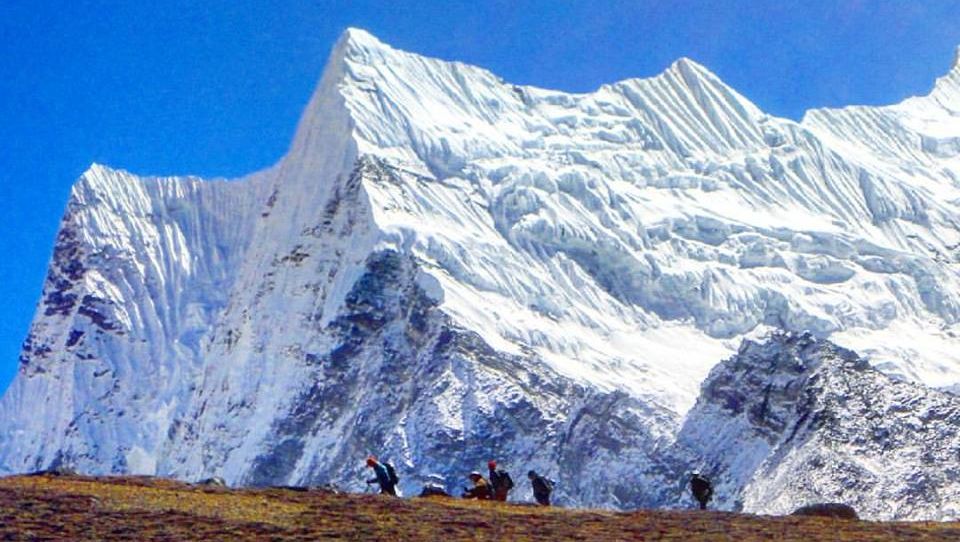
(131, 508)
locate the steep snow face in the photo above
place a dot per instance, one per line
(365, 360)
(140, 270)
(611, 231)
(446, 266)
(796, 421)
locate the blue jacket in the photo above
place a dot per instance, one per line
(383, 477)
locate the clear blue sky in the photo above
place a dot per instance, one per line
(215, 87)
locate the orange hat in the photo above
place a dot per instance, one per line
(492, 464)
(371, 461)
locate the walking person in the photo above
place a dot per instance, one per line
(701, 488)
(542, 487)
(385, 475)
(500, 480)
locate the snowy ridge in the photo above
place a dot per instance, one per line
(443, 260)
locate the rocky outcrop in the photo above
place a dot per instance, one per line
(795, 420)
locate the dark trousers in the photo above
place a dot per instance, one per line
(703, 497)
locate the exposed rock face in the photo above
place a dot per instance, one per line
(796, 420)
(446, 268)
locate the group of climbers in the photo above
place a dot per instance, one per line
(499, 484)
(496, 488)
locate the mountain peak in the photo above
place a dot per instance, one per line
(359, 35)
(692, 73)
(687, 64)
(353, 39)
(946, 89)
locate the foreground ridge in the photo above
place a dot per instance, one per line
(156, 509)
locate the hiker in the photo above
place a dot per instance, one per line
(500, 480)
(480, 489)
(701, 488)
(542, 486)
(386, 476)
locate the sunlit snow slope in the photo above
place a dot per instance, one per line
(446, 267)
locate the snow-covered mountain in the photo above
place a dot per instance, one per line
(796, 420)
(446, 267)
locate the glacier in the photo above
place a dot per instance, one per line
(446, 267)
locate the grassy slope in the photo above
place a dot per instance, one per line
(74, 508)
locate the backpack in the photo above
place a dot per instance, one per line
(702, 481)
(701, 487)
(392, 474)
(546, 485)
(503, 479)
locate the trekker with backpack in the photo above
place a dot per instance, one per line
(386, 476)
(480, 489)
(701, 488)
(500, 480)
(542, 487)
